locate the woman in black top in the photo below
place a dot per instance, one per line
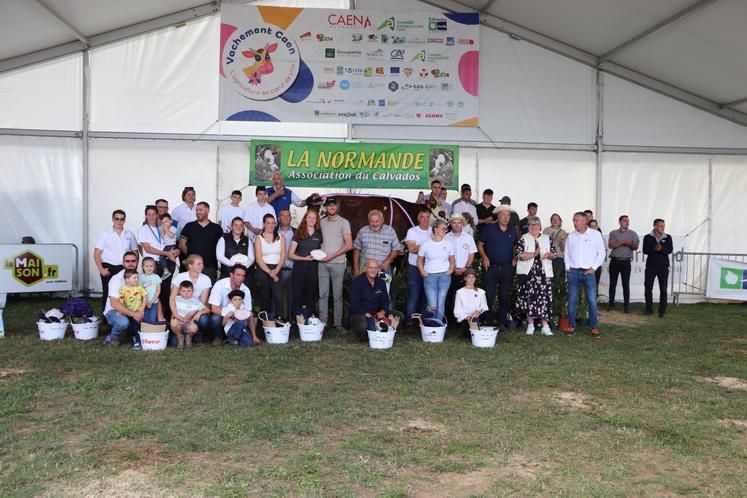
(305, 277)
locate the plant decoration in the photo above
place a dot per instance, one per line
(77, 310)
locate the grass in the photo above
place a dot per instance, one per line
(626, 415)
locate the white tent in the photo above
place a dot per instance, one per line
(631, 106)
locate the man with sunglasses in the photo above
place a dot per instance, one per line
(118, 316)
(109, 251)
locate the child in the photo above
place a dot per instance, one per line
(168, 236)
(151, 282)
(237, 319)
(228, 212)
(133, 295)
(188, 311)
(470, 302)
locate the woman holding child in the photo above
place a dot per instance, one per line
(151, 240)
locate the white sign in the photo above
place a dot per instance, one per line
(37, 267)
(321, 65)
(726, 280)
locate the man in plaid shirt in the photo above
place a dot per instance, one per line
(376, 241)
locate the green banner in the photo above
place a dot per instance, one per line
(354, 165)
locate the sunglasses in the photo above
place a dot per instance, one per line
(118, 218)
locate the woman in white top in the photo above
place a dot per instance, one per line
(269, 248)
(201, 285)
(470, 302)
(534, 253)
(436, 264)
(151, 241)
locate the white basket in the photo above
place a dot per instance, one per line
(86, 331)
(51, 331)
(432, 334)
(381, 340)
(277, 335)
(311, 333)
(484, 337)
(154, 341)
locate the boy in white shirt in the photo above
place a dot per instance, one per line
(238, 321)
(188, 311)
(228, 212)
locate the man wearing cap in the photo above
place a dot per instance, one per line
(464, 254)
(496, 247)
(337, 240)
(465, 204)
(485, 209)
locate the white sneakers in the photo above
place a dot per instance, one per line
(545, 330)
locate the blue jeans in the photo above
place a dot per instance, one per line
(212, 323)
(120, 324)
(414, 293)
(239, 332)
(576, 279)
(150, 315)
(436, 287)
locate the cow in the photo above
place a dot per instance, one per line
(262, 63)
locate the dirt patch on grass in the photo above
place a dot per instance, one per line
(623, 319)
(7, 372)
(575, 400)
(130, 483)
(729, 383)
(733, 422)
(421, 428)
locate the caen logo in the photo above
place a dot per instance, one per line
(261, 62)
(29, 269)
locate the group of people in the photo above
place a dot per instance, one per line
(292, 271)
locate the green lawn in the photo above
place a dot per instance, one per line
(631, 414)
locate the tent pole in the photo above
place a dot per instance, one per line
(600, 144)
(710, 201)
(86, 118)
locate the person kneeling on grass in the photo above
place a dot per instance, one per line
(238, 321)
(369, 299)
(188, 311)
(470, 303)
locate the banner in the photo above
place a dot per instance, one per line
(352, 66)
(354, 165)
(37, 267)
(727, 279)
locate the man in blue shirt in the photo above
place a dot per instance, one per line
(281, 198)
(496, 247)
(369, 299)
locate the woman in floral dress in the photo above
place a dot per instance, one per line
(535, 252)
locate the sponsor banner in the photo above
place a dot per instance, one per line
(369, 67)
(726, 280)
(354, 165)
(37, 268)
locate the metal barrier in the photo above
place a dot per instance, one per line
(692, 277)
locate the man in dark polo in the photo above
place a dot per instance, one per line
(369, 298)
(623, 243)
(200, 237)
(657, 246)
(496, 247)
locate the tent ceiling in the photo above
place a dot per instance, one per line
(703, 51)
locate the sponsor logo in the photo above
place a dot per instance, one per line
(397, 54)
(326, 85)
(407, 71)
(431, 57)
(436, 41)
(357, 71)
(460, 104)
(445, 86)
(449, 41)
(420, 56)
(391, 103)
(348, 53)
(372, 38)
(306, 36)
(323, 113)
(466, 41)
(344, 85)
(329, 53)
(423, 73)
(323, 38)
(261, 62)
(382, 103)
(340, 70)
(394, 70)
(393, 86)
(733, 278)
(379, 71)
(375, 86)
(398, 40)
(368, 71)
(28, 268)
(433, 116)
(357, 38)
(350, 20)
(437, 73)
(371, 103)
(436, 24)
(384, 38)
(387, 24)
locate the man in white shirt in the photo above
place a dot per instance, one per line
(464, 254)
(118, 316)
(584, 253)
(465, 204)
(413, 240)
(228, 212)
(109, 251)
(256, 211)
(186, 211)
(219, 299)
